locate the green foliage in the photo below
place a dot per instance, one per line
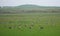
(14, 24)
(29, 9)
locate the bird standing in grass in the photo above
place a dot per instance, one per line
(41, 27)
(19, 26)
(10, 27)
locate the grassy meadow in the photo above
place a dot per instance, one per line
(35, 24)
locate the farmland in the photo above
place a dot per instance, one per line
(29, 20)
(33, 24)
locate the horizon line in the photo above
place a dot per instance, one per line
(29, 4)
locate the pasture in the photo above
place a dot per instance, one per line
(35, 24)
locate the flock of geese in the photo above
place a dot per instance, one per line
(30, 27)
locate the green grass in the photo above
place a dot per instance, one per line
(49, 22)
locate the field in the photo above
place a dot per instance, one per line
(35, 24)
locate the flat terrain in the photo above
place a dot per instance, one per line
(42, 24)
